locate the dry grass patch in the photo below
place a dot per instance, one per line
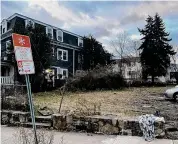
(120, 102)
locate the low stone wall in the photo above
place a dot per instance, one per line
(14, 117)
(91, 124)
(103, 124)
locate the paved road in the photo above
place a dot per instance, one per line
(9, 136)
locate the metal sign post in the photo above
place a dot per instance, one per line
(31, 106)
(23, 54)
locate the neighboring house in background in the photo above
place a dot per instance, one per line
(132, 70)
(131, 67)
(171, 72)
(66, 49)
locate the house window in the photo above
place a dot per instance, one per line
(3, 30)
(79, 59)
(80, 42)
(62, 73)
(132, 74)
(129, 64)
(62, 55)
(8, 44)
(172, 75)
(29, 22)
(132, 64)
(5, 71)
(53, 51)
(49, 32)
(129, 72)
(4, 26)
(60, 35)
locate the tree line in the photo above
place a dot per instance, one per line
(154, 49)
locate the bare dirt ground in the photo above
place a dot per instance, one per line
(125, 103)
(128, 102)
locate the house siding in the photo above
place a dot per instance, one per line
(77, 63)
(54, 34)
(63, 64)
(70, 43)
(70, 39)
(3, 49)
(20, 21)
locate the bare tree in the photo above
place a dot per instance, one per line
(135, 44)
(125, 48)
(119, 45)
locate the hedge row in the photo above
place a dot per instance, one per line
(98, 79)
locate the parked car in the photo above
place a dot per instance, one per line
(172, 93)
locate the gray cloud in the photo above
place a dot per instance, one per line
(102, 19)
(100, 31)
(133, 18)
(142, 10)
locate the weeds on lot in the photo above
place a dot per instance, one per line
(26, 136)
(62, 92)
(85, 108)
(126, 102)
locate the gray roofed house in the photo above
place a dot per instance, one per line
(66, 48)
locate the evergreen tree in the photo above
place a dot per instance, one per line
(94, 54)
(155, 48)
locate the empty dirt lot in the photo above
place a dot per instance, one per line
(125, 103)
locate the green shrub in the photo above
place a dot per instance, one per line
(98, 79)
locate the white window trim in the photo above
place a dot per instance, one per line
(58, 35)
(51, 31)
(8, 41)
(80, 40)
(4, 25)
(62, 54)
(79, 59)
(1, 29)
(29, 20)
(53, 51)
(60, 71)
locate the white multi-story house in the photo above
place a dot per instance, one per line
(132, 70)
(130, 67)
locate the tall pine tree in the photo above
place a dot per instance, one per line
(155, 48)
(94, 54)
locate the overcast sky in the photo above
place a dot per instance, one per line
(104, 19)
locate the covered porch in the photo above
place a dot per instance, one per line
(7, 73)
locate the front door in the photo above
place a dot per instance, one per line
(5, 71)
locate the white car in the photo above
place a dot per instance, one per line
(172, 93)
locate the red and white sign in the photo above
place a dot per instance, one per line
(23, 54)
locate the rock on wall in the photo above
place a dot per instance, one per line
(90, 124)
(104, 125)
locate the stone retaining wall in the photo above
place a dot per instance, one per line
(91, 124)
(14, 117)
(104, 125)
